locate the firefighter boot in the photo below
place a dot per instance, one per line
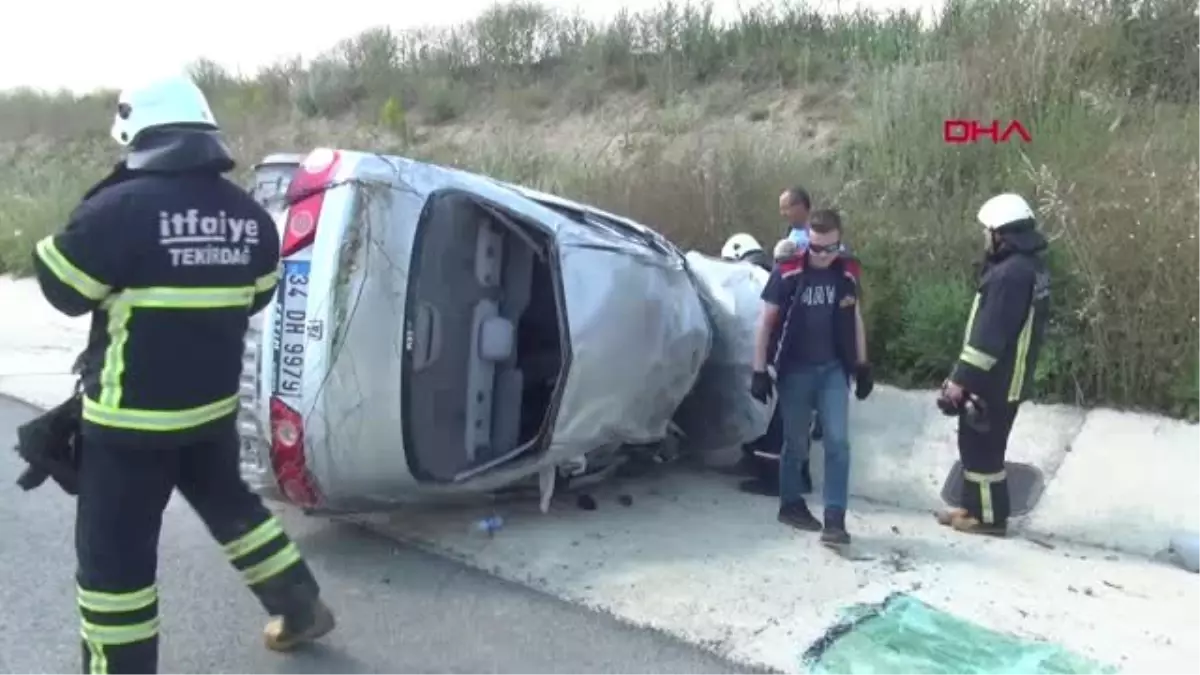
(985, 503)
(285, 633)
(962, 521)
(947, 516)
(972, 525)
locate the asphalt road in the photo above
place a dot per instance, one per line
(399, 610)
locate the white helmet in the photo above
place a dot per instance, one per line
(162, 101)
(1003, 210)
(737, 246)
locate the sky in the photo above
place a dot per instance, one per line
(113, 44)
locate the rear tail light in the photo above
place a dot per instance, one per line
(300, 232)
(287, 456)
(287, 434)
(306, 194)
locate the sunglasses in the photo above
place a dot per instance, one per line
(828, 248)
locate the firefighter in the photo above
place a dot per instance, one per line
(171, 259)
(760, 457)
(745, 247)
(994, 371)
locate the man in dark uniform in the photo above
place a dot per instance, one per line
(994, 371)
(760, 457)
(171, 259)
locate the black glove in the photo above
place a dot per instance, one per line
(864, 382)
(761, 386)
(975, 414)
(949, 408)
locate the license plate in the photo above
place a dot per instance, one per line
(290, 329)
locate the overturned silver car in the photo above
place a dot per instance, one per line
(439, 333)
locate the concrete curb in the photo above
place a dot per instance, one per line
(1127, 482)
(22, 402)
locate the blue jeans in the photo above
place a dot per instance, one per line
(824, 388)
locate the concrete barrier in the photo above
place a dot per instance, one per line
(38, 345)
(1129, 482)
(902, 447)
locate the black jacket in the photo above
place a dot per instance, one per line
(845, 325)
(171, 264)
(1005, 329)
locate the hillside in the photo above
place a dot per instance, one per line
(694, 128)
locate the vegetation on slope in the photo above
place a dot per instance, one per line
(695, 127)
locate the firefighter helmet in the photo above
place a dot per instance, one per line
(164, 101)
(739, 246)
(1004, 209)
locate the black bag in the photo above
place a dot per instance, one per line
(50, 444)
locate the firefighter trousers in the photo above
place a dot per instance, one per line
(123, 491)
(985, 481)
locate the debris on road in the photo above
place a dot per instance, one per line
(903, 634)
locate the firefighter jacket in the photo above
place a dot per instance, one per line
(171, 265)
(1007, 321)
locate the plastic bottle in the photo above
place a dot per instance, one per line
(490, 525)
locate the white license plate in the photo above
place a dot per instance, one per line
(290, 332)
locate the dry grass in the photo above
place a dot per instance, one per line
(695, 127)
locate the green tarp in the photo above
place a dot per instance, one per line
(904, 635)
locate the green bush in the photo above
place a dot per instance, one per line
(1108, 89)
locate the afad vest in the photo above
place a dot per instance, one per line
(845, 327)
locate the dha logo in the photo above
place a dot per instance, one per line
(196, 240)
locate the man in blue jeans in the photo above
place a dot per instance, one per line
(822, 344)
(795, 206)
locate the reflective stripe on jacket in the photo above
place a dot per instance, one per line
(171, 267)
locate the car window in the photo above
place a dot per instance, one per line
(271, 184)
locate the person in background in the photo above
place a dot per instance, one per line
(994, 371)
(821, 345)
(760, 457)
(795, 205)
